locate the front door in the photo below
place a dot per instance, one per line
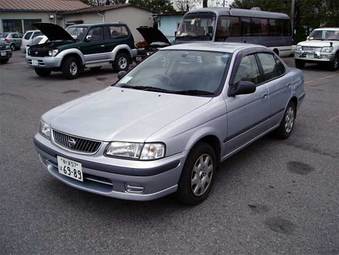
(246, 114)
(93, 46)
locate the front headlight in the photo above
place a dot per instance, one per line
(328, 49)
(8, 47)
(298, 48)
(53, 53)
(141, 151)
(45, 129)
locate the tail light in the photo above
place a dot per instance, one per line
(7, 40)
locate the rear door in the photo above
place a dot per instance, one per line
(246, 114)
(278, 84)
(117, 34)
(93, 47)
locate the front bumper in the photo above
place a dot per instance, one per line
(44, 62)
(314, 56)
(7, 52)
(123, 179)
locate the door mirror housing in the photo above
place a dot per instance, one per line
(242, 88)
(88, 38)
(121, 74)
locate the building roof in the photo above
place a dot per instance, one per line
(40, 5)
(102, 8)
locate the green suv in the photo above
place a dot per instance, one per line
(81, 46)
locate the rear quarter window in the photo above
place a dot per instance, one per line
(117, 31)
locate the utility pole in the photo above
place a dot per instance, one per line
(292, 15)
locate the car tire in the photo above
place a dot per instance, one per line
(70, 68)
(299, 64)
(287, 123)
(197, 175)
(13, 48)
(334, 64)
(42, 72)
(4, 61)
(121, 62)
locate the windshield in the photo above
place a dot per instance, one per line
(191, 72)
(78, 33)
(197, 26)
(324, 35)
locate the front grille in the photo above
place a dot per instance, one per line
(75, 143)
(309, 48)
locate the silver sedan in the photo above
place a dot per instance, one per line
(166, 125)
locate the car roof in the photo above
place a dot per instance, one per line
(31, 31)
(242, 12)
(214, 46)
(328, 28)
(97, 24)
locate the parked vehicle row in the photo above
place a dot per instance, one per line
(13, 39)
(166, 125)
(5, 52)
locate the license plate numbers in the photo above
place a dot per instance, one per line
(35, 62)
(70, 168)
(310, 55)
(3, 53)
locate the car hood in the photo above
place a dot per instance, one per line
(53, 32)
(317, 43)
(121, 114)
(152, 35)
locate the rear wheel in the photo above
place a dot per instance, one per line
(4, 61)
(42, 72)
(121, 62)
(197, 175)
(287, 124)
(299, 64)
(70, 68)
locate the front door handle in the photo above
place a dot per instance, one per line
(102, 45)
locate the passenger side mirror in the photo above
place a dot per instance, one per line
(88, 38)
(242, 88)
(121, 74)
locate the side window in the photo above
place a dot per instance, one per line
(246, 26)
(15, 36)
(227, 26)
(27, 35)
(270, 66)
(248, 70)
(97, 34)
(36, 34)
(118, 31)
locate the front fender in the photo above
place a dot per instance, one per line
(64, 53)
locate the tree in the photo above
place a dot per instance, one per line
(154, 5)
(186, 5)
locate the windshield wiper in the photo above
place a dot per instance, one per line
(194, 92)
(146, 88)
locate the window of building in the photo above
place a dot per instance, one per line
(28, 23)
(12, 25)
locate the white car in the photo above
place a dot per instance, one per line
(322, 46)
(28, 37)
(41, 39)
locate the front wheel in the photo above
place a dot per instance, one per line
(42, 72)
(299, 64)
(13, 48)
(4, 61)
(70, 68)
(287, 124)
(121, 62)
(197, 175)
(334, 64)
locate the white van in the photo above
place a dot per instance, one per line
(28, 38)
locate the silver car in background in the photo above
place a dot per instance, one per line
(166, 125)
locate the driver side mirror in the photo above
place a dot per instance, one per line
(121, 74)
(242, 88)
(88, 38)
